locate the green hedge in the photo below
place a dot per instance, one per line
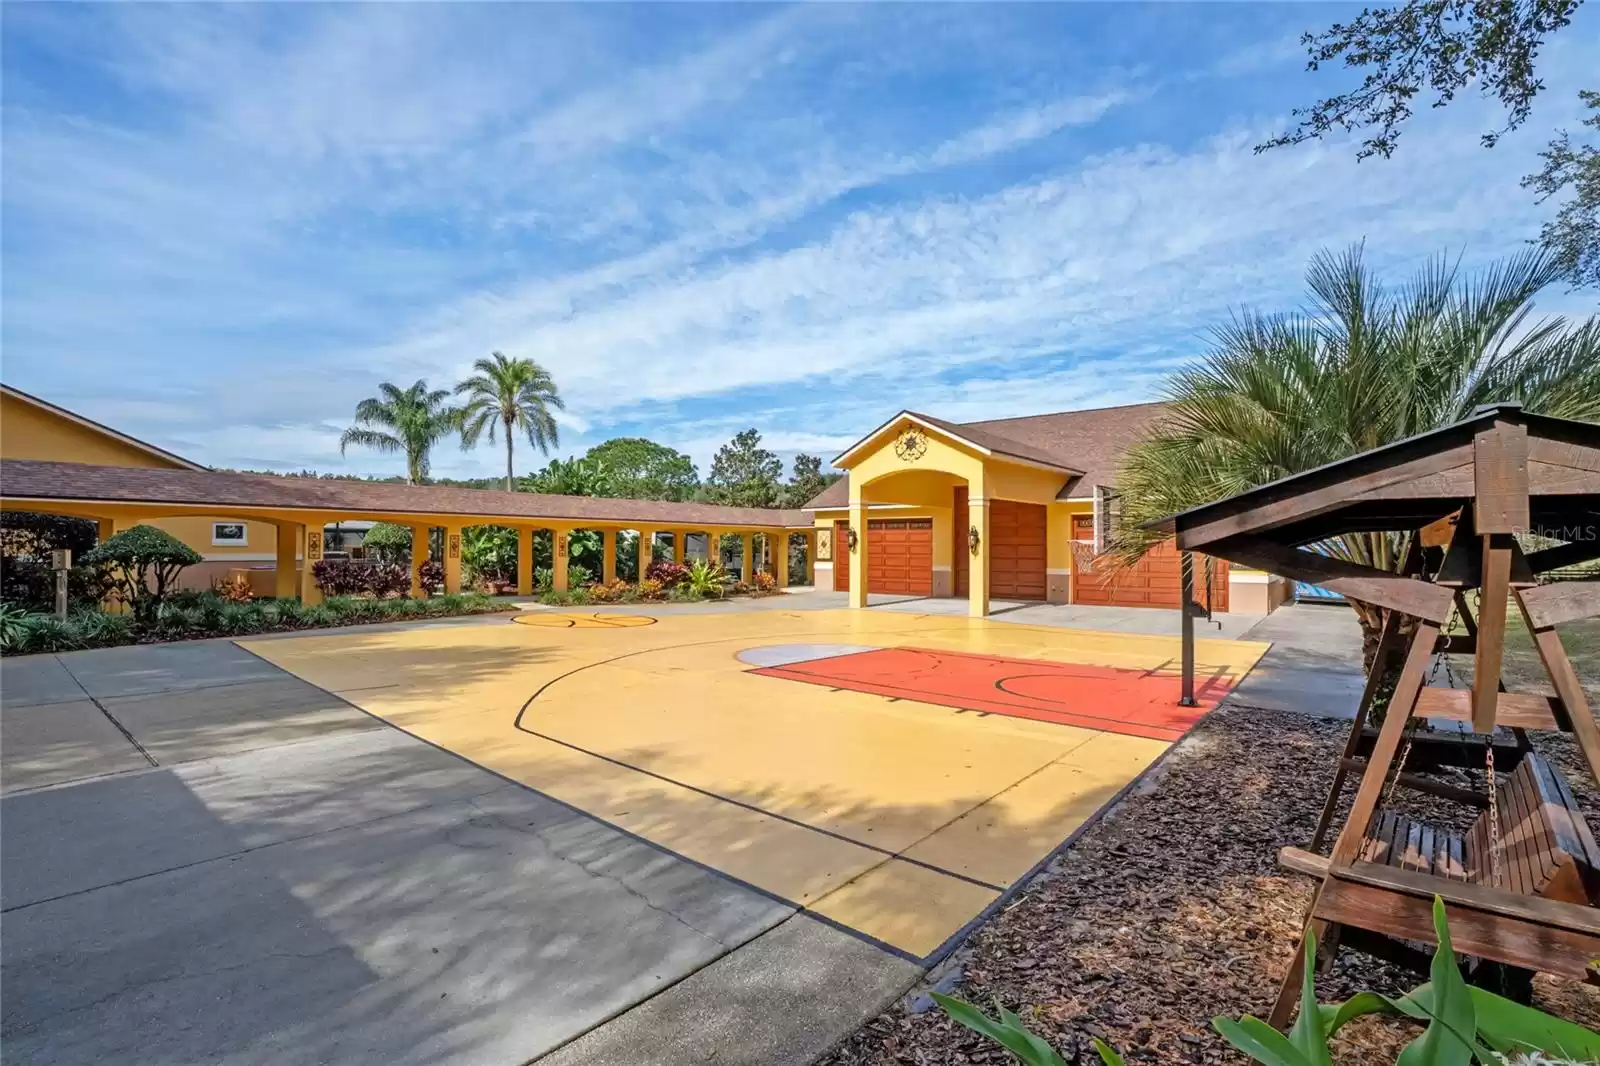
(209, 615)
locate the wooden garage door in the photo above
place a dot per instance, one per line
(899, 557)
(1155, 581)
(1016, 550)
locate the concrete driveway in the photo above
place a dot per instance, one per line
(205, 859)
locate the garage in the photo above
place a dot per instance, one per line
(1016, 550)
(899, 557)
(1155, 581)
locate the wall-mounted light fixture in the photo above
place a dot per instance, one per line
(972, 539)
(851, 538)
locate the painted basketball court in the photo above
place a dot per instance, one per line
(891, 773)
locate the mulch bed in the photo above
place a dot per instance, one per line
(1172, 910)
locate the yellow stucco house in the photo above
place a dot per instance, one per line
(33, 428)
(1011, 509)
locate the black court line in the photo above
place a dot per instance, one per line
(865, 938)
(517, 723)
(927, 961)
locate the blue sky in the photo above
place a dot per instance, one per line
(223, 225)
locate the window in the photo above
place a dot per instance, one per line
(230, 534)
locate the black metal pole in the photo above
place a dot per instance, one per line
(1187, 607)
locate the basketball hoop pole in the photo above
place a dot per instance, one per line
(1187, 608)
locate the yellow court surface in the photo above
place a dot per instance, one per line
(892, 773)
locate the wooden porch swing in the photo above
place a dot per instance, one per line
(1522, 884)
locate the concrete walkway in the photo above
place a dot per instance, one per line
(205, 859)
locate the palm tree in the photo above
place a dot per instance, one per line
(516, 394)
(1360, 366)
(410, 421)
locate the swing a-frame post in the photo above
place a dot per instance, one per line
(1521, 885)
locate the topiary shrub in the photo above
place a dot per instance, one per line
(388, 543)
(144, 562)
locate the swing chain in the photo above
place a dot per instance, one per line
(1494, 813)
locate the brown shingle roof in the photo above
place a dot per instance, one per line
(1090, 442)
(1001, 444)
(25, 479)
(1093, 441)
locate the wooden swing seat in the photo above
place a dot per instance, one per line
(1546, 847)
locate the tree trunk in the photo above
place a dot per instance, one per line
(508, 456)
(1372, 619)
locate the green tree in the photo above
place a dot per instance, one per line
(644, 470)
(572, 477)
(387, 542)
(807, 480)
(404, 421)
(1361, 366)
(1573, 236)
(744, 474)
(510, 395)
(144, 562)
(1441, 47)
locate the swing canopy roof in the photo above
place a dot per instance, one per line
(1415, 482)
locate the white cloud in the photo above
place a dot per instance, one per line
(803, 221)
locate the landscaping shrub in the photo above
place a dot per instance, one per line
(235, 589)
(669, 573)
(763, 584)
(650, 589)
(431, 576)
(617, 591)
(352, 577)
(489, 553)
(26, 578)
(206, 614)
(144, 562)
(705, 579)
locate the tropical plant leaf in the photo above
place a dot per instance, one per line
(1108, 1054)
(1308, 1034)
(1448, 1039)
(1008, 1033)
(1260, 1041)
(1336, 1015)
(1510, 1027)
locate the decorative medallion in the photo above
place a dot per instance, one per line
(313, 546)
(453, 549)
(911, 445)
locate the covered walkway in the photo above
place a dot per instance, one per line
(120, 497)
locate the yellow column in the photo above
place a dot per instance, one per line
(452, 559)
(647, 548)
(419, 555)
(286, 582)
(683, 546)
(525, 561)
(858, 557)
(780, 558)
(608, 555)
(811, 557)
(310, 591)
(978, 571)
(748, 562)
(558, 559)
